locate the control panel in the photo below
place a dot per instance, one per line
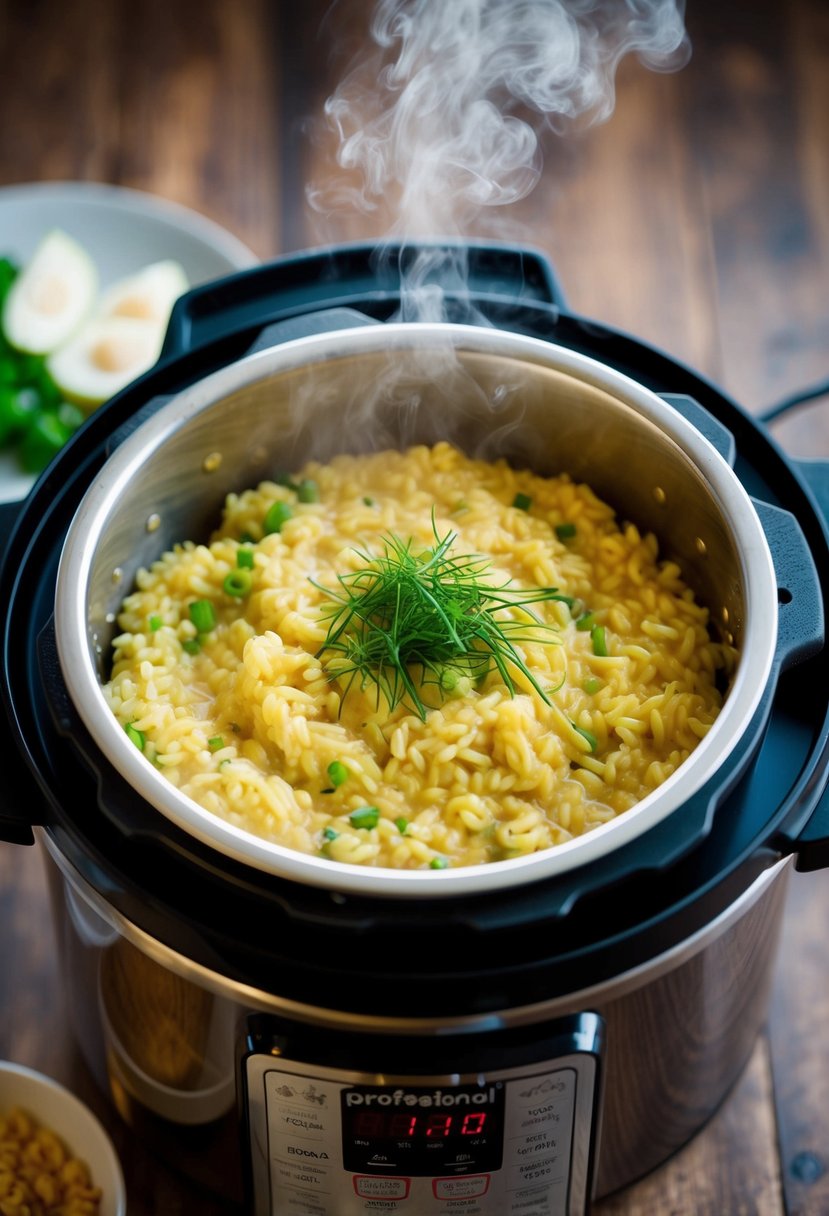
(510, 1141)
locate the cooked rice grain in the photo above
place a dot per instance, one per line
(486, 776)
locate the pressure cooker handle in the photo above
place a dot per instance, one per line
(801, 623)
(816, 475)
(366, 277)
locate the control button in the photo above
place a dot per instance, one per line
(368, 1186)
(461, 1188)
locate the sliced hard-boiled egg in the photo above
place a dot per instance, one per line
(104, 357)
(51, 297)
(148, 295)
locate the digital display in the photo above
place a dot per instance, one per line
(421, 1131)
(376, 1125)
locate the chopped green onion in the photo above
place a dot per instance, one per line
(222, 763)
(565, 531)
(203, 615)
(337, 772)
(365, 817)
(592, 685)
(244, 559)
(522, 501)
(441, 863)
(191, 646)
(285, 479)
(278, 514)
(402, 825)
(599, 640)
(135, 736)
(247, 539)
(155, 622)
(368, 502)
(330, 834)
(216, 743)
(586, 622)
(585, 734)
(308, 490)
(238, 584)
(449, 679)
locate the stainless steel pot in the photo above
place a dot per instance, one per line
(490, 391)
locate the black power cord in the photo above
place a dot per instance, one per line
(794, 402)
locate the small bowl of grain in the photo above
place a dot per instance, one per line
(54, 1154)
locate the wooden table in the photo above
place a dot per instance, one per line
(697, 219)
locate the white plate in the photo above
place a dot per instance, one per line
(55, 1108)
(122, 230)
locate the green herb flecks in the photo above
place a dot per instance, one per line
(135, 736)
(203, 615)
(337, 773)
(238, 583)
(409, 614)
(366, 817)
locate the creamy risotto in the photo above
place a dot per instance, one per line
(570, 671)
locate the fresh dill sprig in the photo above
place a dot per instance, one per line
(411, 618)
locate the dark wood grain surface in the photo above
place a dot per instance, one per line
(697, 219)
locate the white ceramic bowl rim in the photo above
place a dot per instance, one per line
(55, 1107)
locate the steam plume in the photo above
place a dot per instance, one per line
(440, 118)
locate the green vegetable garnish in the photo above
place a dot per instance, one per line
(586, 622)
(278, 513)
(238, 583)
(308, 491)
(565, 531)
(135, 736)
(585, 734)
(368, 502)
(244, 559)
(337, 773)
(203, 615)
(365, 817)
(402, 825)
(216, 743)
(330, 834)
(409, 615)
(522, 501)
(597, 636)
(285, 479)
(191, 646)
(592, 685)
(155, 622)
(439, 863)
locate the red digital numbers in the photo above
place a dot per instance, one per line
(386, 1125)
(438, 1125)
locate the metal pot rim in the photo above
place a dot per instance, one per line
(81, 679)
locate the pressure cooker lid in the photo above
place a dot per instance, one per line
(228, 916)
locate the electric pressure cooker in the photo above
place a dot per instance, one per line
(512, 1039)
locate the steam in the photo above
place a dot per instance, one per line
(440, 119)
(439, 126)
